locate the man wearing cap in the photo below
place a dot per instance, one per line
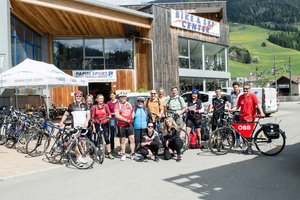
(194, 110)
(140, 121)
(124, 114)
(154, 106)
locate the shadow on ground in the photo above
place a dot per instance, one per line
(262, 177)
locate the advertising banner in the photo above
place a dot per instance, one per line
(96, 75)
(191, 22)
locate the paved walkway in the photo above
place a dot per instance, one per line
(14, 163)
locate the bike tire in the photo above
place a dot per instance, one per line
(11, 139)
(88, 151)
(185, 138)
(221, 141)
(3, 134)
(34, 145)
(22, 141)
(53, 149)
(267, 146)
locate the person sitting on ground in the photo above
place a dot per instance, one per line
(150, 143)
(172, 141)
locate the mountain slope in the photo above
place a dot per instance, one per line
(251, 38)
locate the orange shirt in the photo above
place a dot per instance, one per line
(154, 106)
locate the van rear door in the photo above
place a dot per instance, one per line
(270, 101)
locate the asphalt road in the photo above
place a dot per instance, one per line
(199, 175)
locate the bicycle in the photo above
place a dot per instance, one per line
(269, 139)
(98, 140)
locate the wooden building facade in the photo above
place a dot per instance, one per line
(138, 43)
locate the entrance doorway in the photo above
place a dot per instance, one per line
(100, 88)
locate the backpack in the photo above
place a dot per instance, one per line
(180, 99)
(194, 141)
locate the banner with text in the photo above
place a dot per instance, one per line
(97, 75)
(191, 22)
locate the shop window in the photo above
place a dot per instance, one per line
(93, 63)
(214, 57)
(93, 47)
(68, 54)
(183, 47)
(118, 53)
(25, 43)
(196, 54)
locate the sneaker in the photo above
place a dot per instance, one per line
(81, 160)
(156, 159)
(109, 156)
(79, 164)
(178, 159)
(132, 156)
(123, 158)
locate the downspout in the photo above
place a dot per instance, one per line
(152, 57)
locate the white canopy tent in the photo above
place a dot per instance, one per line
(36, 74)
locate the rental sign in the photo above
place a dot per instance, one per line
(96, 75)
(190, 22)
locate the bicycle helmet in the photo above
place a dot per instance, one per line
(142, 99)
(78, 93)
(122, 94)
(195, 91)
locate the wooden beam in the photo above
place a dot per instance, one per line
(93, 11)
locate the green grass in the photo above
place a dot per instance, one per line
(251, 38)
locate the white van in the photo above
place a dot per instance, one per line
(267, 98)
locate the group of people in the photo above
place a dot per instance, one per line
(138, 123)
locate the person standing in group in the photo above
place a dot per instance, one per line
(162, 95)
(176, 103)
(154, 107)
(218, 108)
(89, 100)
(235, 94)
(124, 112)
(100, 117)
(140, 121)
(113, 120)
(194, 110)
(248, 104)
(150, 143)
(172, 141)
(80, 118)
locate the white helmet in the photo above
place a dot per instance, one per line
(122, 94)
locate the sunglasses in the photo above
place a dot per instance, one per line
(153, 93)
(246, 88)
(150, 126)
(78, 96)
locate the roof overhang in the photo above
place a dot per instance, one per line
(85, 17)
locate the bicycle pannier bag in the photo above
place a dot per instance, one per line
(271, 130)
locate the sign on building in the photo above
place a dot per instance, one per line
(96, 75)
(191, 22)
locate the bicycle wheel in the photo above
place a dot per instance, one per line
(3, 134)
(185, 138)
(53, 149)
(267, 146)
(100, 145)
(221, 141)
(11, 137)
(34, 145)
(82, 154)
(22, 141)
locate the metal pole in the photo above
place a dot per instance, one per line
(274, 73)
(290, 76)
(2, 56)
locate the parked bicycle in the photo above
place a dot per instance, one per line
(269, 139)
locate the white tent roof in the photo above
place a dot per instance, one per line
(31, 73)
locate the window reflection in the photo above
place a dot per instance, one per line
(93, 47)
(189, 83)
(118, 53)
(191, 55)
(214, 57)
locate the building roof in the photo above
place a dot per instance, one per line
(295, 78)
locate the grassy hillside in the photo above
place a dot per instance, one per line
(251, 38)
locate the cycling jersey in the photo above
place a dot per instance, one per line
(126, 111)
(195, 114)
(79, 113)
(219, 104)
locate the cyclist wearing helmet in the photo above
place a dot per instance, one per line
(124, 114)
(78, 110)
(80, 118)
(194, 110)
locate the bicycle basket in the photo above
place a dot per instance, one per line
(271, 130)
